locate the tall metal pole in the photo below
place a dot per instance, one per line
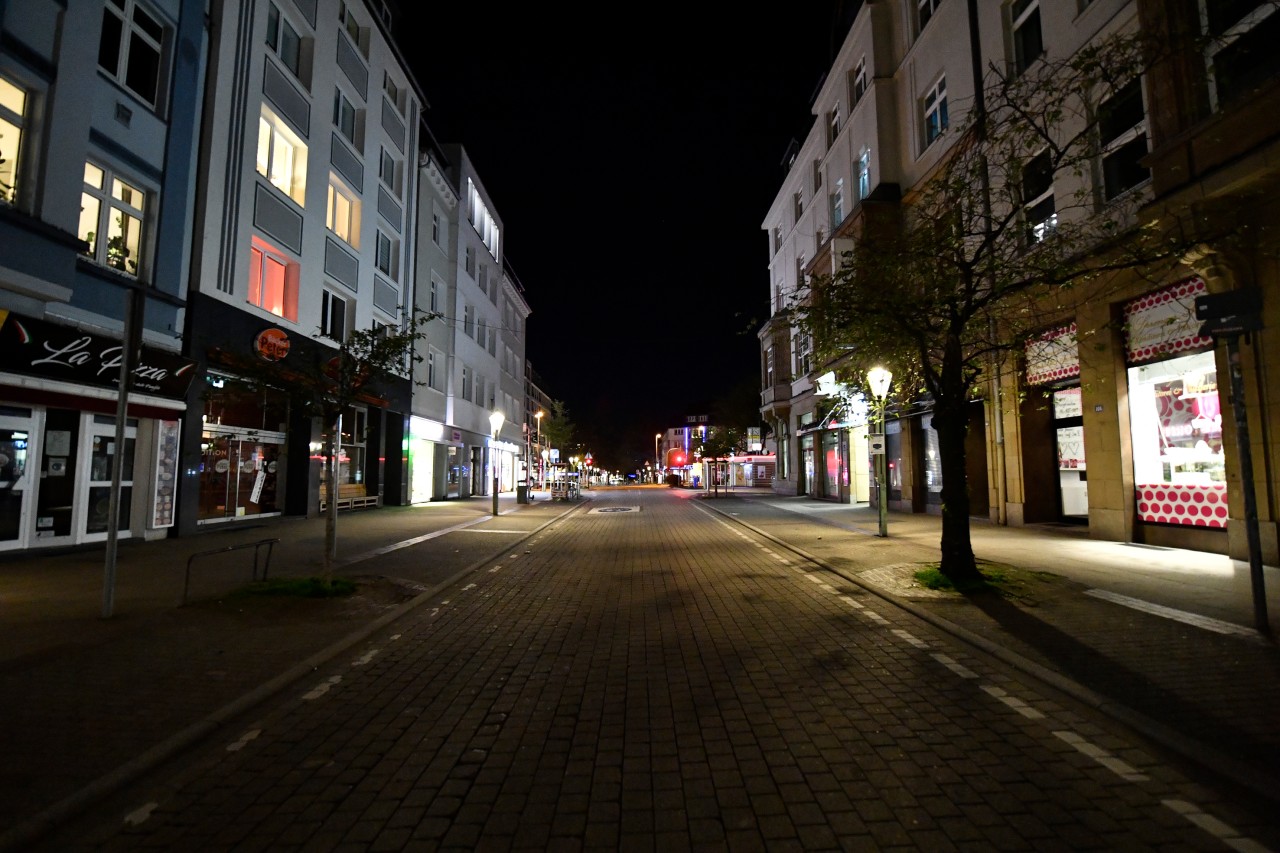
(135, 306)
(882, 465)
(1246, 484)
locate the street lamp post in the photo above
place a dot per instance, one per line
(538, 419)
(495, 424)
(879, 378)
(657, 457)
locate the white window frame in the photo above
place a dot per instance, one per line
(13, 131)
(435, 229)
(355, 31)
(1112, 147)
(434, 296)
(1038, 227)
(290, 271)
(134, 36)
(863, 169)
(285, 172)
(1020, 20)
(859, 80)
(469, 321)
(936, 115)
(925, 10)
(343, 213)
(469, 264)
(837, 204)
(284, 36)
(466, 383)
(113, 197)
(433, 368)
(1217, 44)
(833, 125)
(346, 118)
(387, 255)
(389, 171)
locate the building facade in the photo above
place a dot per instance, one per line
(1112, 415)
(97, 172)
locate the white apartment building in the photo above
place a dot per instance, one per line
(308, 209)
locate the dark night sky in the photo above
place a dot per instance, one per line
(632, 165)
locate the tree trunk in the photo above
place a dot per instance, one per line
(331, 509)
(951, 421)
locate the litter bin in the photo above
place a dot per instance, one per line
(522, 492)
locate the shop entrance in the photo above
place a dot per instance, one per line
(17, 429)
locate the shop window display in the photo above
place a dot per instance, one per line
(1179, 465)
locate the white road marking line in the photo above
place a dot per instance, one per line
(874, 616)
(1122, 769)
(138, 816)
(1226, 834)
(1195, 619)
(365, 658)
(849, 601)
(958, 668)
(826, 586)
(395, 636)
(492, 530)
(1013, 702)
(495, 569)
(812, 578)
(322, 688)
(911, 638)
(468, 586)
(244, 740)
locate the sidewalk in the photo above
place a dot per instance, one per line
(1162, 639)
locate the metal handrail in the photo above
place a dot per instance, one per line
(256, 546)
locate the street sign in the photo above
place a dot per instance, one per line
(875, 444)
(1230, 313)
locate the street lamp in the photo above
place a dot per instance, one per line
(879, 378)
(495, 424)
(538, 418)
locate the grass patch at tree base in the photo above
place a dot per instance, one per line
(312, 587)
(998, 578)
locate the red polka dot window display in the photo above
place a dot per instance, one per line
(1163, 324)
(1191, 505)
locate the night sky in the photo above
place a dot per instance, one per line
(632, 164)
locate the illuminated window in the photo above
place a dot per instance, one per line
(116, 208)
(282, 156)
(129, 48)
(273, 281)
(837, 204)
(864, 174)
(13, 108)
(343, 216)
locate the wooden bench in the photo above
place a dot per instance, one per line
(351, 496)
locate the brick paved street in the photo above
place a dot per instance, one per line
(647, 674)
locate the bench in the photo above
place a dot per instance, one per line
(350, 496)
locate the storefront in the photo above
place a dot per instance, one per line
(1054, 400)
(58, 402)
(1175, 413)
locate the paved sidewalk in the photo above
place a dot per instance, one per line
(91, 702)
(1162, 639)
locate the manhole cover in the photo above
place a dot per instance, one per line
(617, 509)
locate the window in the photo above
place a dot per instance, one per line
(798, 204)
(13, 109)
(493, 342)
(1037, 198)
(469, 321)
(129, 48)
(777, 238)
(353, 29)
(833, 125)
(343, 217)
(284, 40)
(344, 117)
(483, 279)
(388, 257)
(800, 270)
(111, 206)
(435, 358)
(1122, 128)
(466, 383)
(925, 10)
(282, 156)
(273, 281)
(333, 317)
(436, 235)
(482, 333)
(864, 174)
(436, 287)
(1239, 51)
(389, 174)
(1028, 42)
(935, 111)
(859, 80)
(470, 263)
(817, 176)
(394, 93)
(837, 204)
